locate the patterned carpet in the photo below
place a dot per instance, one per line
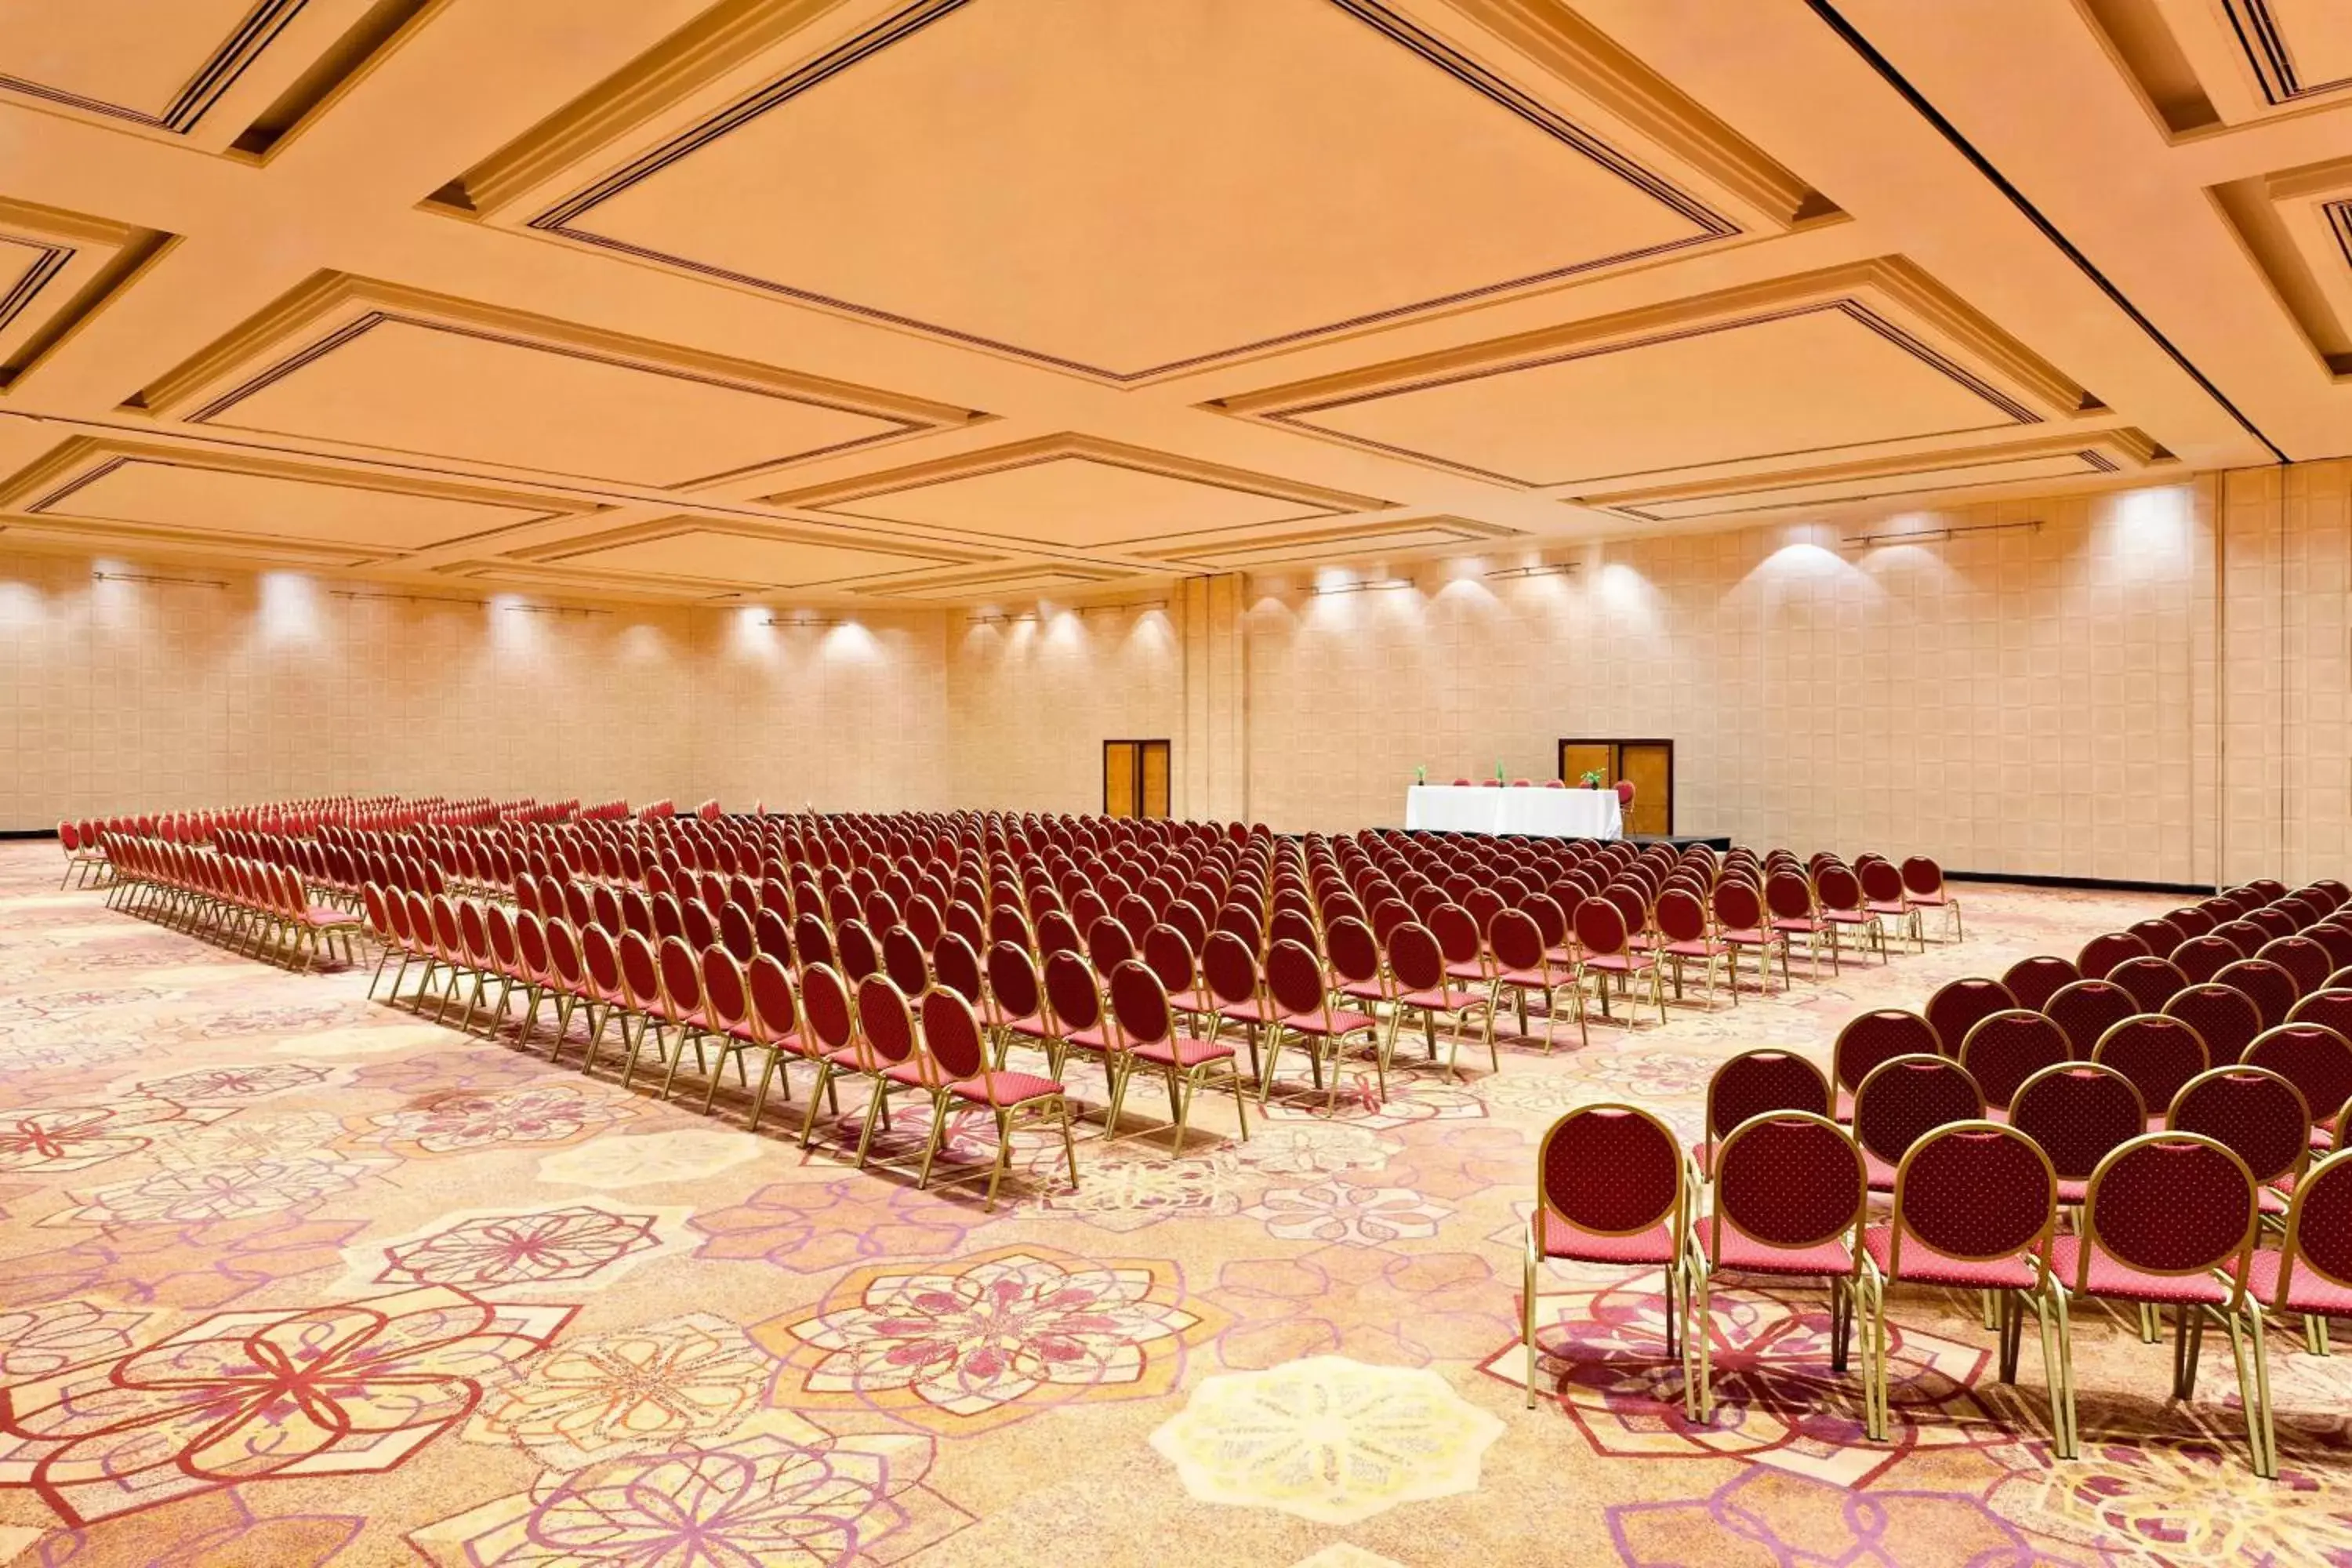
(291, 1277)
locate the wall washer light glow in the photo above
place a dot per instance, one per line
(288, 608)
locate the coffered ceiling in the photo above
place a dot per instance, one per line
(952, 301)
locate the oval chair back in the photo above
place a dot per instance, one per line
(772, 931)
(681, 979)
(2087, 1010)
(2200, 958)
(826, 1004)
(2243, 934)
(725, 1001)
(1071, 991)
(640, 973)
(2252, 1111)
(964, 920)
(1108, 946)
(600, 958)
(2152, 981)
(1013, 986)
(2315, 1058)
(1229, 965)
(1788, 1179)
(1961, 1005)
(955, 966)
(563, 970)
(738, 932)
(1738, 906)
(2004, 1050)
(951, 1035)
(2079, 1112)
(1294, 981)
(2159, 1053)
(2034, 980)
(2224, 1017)
(1139, 1005)
(1905, 1100)
(2170, 1204)
(1975, 1190)
(2271, 987)
(2330, 1007)
(884, 1022)
(904, 961)
(1611, 1170)
(1415, 960)
(1756, 1082)
(768, 986)
(2160, 934)
(2102, 953)
(1876, 1036)
(2319, 1240)
(856, 951)
(812, 942)
(1168, 955)
(1355, 956)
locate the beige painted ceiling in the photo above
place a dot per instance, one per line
(957, 301)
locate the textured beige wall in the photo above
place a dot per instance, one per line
(2015, 701)
(125, 695)
(2150, 686)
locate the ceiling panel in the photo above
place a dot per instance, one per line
(1076, 491)
(159, 65)
(163, 492)
(1233, 555)
(1132, 186)
(716, 555)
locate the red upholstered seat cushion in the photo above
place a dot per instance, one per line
(2070, 1191)
(1364, 991)
(1339, 1024)
(1243, 1012)
(845, 1058)
(1744, 1254)
(1558, 1238)
(2110, 1277)
(1526, 979)
(1878, 908)
(1924, 1265)
(1184, 1053)
(1093, 1039)
(1747, 936)
(908, 1072)
(1032, 1027)
(1621, 963)
(1695, 949)
(1194, 1002)
(1002, 1089)
(1448, 1000)
(1882, 1173)
(1477, 972)
(321, 915)
(2306, 1291)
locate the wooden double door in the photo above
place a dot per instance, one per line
(1647, 765)
(1135, 778)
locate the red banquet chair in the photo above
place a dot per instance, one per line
(2004, 1050)
(1754, 1083)
(2224, 1017)
(1424, 990)
(2152, 981)
(1791, 1195)
(2306, 960)
(1684, 936)
(2170, 1219)
(2202, 957)
(2034, 980)
(2255, 1114)
(2087, 1010)
(1875, 1036)
(1524, 968)
(1612, 1189)
(2311, 1272)
(1901, 1102)
(2079, 1113)
(1923, 881)
(1739, 920)
(1976, 1208)
(1148, 1040)
(1303, 1012)
(2159, 1053)
(2313, 1058)
(1789, 902)
(1602, 933)
(1959, 1006)
(2102, 953)
(954, 1046)
(2271, 988)
(1882, 886)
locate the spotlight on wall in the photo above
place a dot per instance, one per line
(166, 582)
(803, 619)
(556, 609)
(999, 617)
(1122, 609)
(1935, 535)
(1548, 569)
(1362, 585)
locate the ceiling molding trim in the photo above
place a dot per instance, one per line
(218, 73)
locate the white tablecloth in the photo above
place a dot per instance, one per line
(1556, 812)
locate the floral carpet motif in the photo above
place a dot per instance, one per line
(1328, 1439)
(258, 1228)
(508, 1250)
(779, 1493)
(352, 1388)
(996, 1337)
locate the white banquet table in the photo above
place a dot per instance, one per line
(1476, 808)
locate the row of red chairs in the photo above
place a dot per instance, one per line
(238, 899)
